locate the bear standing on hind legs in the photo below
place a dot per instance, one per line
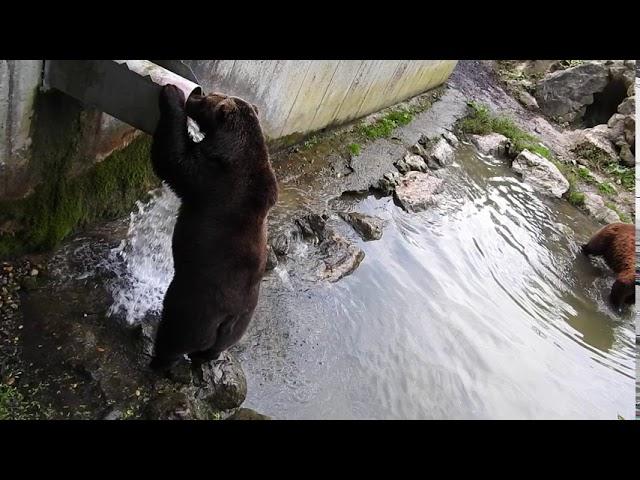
(616, 243)
(227, 187)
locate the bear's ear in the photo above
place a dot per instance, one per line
(227, 107)
(255, 108)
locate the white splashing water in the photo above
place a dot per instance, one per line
(145, 255)
(147, 258)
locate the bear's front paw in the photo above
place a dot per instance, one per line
(171, 97)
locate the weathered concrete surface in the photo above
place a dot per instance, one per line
(19, 80)
(301, 96)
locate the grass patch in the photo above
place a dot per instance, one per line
(626, 176)
(354, 149)
(585, 175)
(480, 121)
(576, 198)
(383, 127)
(606, 188)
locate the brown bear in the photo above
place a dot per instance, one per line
(227, 187)
(616, 242)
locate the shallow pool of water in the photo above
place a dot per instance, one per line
(481, 307)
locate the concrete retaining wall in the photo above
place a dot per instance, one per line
(295, 98)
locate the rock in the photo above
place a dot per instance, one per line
(368, 227)
(312, 226)
(540, 173)
(527, 100)
(272, 259)
(492, 144)
(452, 139)
(418, 149)
(595, 206)
(387, 184)
(630, 132)
(340, 257)
(281, 243)
(221, 383)
(631, 90)
(248, 414)
(565, 94)
(619, 71)
(597, 137)
(416, 191)
(626, 157)
(616, 124)
(410, 163)
(442, 153)
(114, 414)
(628, 106)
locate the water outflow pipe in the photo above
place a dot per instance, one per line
(125, 89)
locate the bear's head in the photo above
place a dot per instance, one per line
(219, 114)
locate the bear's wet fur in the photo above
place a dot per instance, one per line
(616, 243)
(226, 186)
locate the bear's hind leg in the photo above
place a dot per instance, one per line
(205, 355)
(163, 364)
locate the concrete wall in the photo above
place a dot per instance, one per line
(19, 82)
(295, 97)
(302, 96)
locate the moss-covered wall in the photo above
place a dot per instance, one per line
(63, 203)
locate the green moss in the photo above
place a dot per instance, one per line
(383, 127)
(354, 149)
(62, 205)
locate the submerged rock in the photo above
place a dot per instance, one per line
(416, 191)
(540, 173)
(368, 227)
(340, 258)
(492, 144)
(595, 206)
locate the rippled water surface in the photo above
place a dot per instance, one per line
(481, 307)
